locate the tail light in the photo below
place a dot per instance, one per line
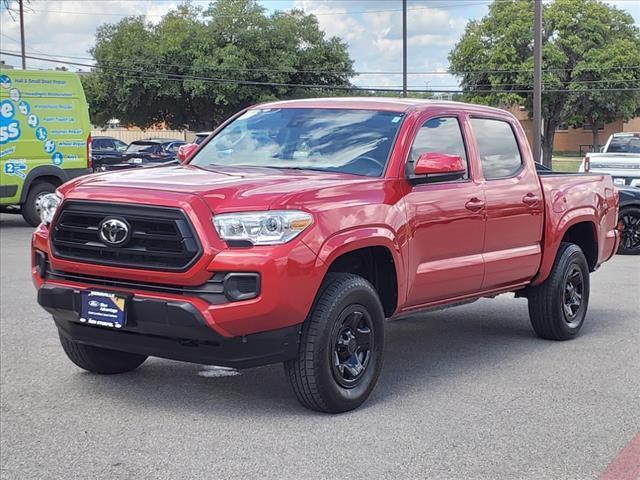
(89, 161)
(585, 163)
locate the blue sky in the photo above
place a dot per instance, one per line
(371, 28)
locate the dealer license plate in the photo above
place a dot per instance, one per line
(103, 309)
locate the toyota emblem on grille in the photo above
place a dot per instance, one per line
(114, 232)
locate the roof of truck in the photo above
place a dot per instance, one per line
(373, 103)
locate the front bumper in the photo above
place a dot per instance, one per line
(169, 329)
(182, 309)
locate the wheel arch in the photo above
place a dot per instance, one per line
(577, 227)
(584, 234)
(42, 173)
(373, 253)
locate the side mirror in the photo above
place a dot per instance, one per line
(185, 151)
(439, 164)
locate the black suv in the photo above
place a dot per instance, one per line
(153, 151)
(106, 151)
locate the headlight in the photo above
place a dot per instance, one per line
(48, 206)
(262, 228)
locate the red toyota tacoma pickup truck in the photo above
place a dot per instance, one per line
(297, 227)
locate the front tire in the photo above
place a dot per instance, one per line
(100, 360)
(630, 235)
(340, 354)
(558, 306)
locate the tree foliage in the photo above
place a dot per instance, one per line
(588, 46)
(190, 69)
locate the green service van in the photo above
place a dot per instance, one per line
(45, 137)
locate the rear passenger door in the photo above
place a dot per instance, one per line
(446, 220)
(514, 205)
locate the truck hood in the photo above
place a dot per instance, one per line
(222, 188)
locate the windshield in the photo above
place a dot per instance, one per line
(143, 147)
(335, 140)
(624, 144)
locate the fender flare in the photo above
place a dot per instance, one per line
(551, 243)
(363, 237)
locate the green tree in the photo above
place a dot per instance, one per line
(601, 96)
(196, 67)
(581, 56)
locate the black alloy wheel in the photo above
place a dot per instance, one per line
(573, 291)
(352, 346)
(629, 221)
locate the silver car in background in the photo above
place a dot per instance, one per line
(620, 158)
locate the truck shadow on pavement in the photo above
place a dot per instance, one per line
(421, 352)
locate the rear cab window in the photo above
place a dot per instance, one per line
(624, 143)
(498, 148)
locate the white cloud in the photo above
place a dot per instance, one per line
(333, 19)
(374, 36)
(58, 28)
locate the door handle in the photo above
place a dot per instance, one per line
(530, 199)
(474, 204)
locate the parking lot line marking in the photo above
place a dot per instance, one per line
(626, 465)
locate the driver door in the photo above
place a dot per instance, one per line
(447, 221)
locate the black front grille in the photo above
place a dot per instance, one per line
(161, 238)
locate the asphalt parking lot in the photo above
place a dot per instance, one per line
(468, 392)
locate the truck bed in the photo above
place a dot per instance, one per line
(572, 198)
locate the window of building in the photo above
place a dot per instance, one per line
(588, 128)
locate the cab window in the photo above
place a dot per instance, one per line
(101, 144)
(173, 147)
(441, 135)
(120, 146)
(498, 148)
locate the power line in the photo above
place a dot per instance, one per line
(455, 4)
(290, 71)
(145, 74)
(356, 12)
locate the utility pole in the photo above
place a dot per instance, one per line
(24, 58)
(404, 48)
(537, 81)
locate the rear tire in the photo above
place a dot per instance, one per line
(340, 354)
(630, 235)
(558, 306)
(100, 360)
(31, 209)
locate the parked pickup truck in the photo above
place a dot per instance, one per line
(620, 157)
(299, 226)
